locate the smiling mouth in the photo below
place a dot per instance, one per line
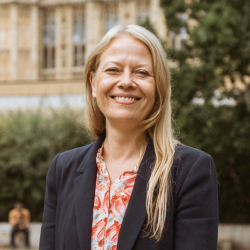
(128, 99)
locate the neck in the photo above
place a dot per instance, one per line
(121, 144)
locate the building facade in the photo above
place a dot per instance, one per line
(44, 43)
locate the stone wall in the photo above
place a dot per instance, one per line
(41, 88)
(230, 236)
(35, 229)
(234, 237)
(28, 51)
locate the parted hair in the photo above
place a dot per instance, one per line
(158, 124)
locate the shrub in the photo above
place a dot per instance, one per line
(29, 140)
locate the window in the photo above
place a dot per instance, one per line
(111, 17)
(142, 12)
(178, 40)
(173, 40)
(49, 39)
(79, 38)
(183, 30)
(183, 36)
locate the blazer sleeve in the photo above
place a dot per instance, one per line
(196, 220)
(47, 237)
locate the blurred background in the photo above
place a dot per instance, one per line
(43, 48)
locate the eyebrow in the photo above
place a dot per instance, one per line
(119, 63)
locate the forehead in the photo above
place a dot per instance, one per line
(126, 45)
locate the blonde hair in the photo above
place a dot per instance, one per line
(157, 125)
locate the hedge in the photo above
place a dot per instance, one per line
(30, 140)
(28, 143)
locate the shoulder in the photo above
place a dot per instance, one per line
(25, 211)
(63, 168)
(73, 156)
(186, 153)
(191, 163)
(187, 156)
(12, 211)
(67, 162)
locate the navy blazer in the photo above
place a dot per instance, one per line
(192, 211)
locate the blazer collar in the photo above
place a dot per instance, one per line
(136, 213)
(89, 159)
(85, 194)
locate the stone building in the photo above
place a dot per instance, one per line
(44, 43)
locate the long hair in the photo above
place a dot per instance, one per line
(157, 125)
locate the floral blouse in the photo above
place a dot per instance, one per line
(110, 204)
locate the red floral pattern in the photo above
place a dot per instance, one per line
(98, 229)
(97, 203)
(112, 232)
(119, 203)
(128, 191)
(110, 205)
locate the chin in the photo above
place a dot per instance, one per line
(124, 119)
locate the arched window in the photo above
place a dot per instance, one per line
(142, 11)
(49, 39)
(79, 37)
(111, 16)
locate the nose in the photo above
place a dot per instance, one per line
(126, 80)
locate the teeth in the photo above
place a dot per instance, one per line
(124, 98)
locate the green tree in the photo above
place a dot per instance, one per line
(218, 48)
(28, 143)
(148, 25)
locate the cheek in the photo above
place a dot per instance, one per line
(102, 97)
(103, 85)
(151, 95)
(151, 91)
(152, 102)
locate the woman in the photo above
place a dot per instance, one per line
(135, 187)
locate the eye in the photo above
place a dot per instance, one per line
(142, 72)
(112, 70)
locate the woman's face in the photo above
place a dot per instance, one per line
(124, 83)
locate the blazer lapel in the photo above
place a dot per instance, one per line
(136, 213)
(85, 194)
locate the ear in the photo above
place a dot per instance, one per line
(92, 81)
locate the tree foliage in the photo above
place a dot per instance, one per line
(28, 143)
(214, 66)
(148, 25)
